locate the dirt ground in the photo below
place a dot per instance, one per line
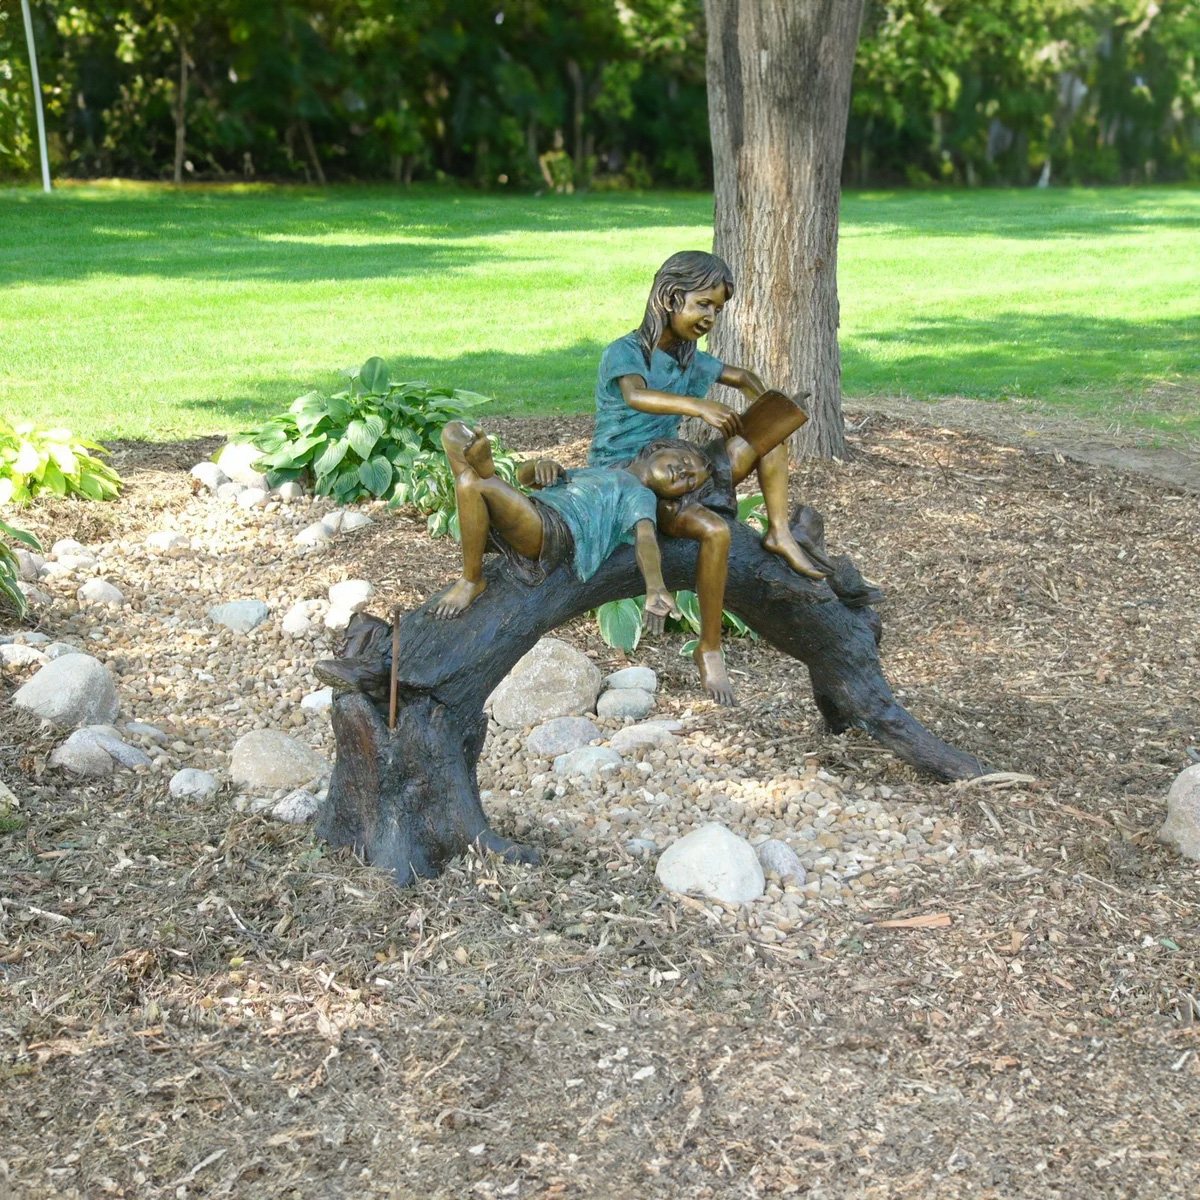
(196, 1002)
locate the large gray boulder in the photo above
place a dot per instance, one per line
(712, 861)
(76, 689)
(266, 759)
(237, 459)
(1181, 829)
(552, 680)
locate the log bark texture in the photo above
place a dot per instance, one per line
(778, 100)
(408, 799)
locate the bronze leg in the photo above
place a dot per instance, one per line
(712, 567)
(773, 479)
(483, 504)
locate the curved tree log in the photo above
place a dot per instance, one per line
(408, 799)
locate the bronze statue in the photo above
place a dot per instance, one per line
(653, 377)
(587, 514)
(582, 515)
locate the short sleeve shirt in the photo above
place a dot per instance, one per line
(621, 431)
(601, 506)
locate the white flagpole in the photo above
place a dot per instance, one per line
(37, 94)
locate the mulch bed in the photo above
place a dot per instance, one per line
(195, 1002)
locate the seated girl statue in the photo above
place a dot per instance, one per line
(581, 516)
(653, 377)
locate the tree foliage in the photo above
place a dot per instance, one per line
(566, 93)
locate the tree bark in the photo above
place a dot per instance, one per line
(778, 100)
(181, 109)
(408, 799)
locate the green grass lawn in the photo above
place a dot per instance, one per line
(144, 311)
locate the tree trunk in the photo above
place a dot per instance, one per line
(778, 100)
(408, 799)
(311, 147)
(181, 109)
(579, 91)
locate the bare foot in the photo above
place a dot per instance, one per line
(459, 596)
(713, 677)
(789, 550)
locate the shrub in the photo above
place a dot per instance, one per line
(374, 439)
(11, 595)
(33, 461)
(621, 621)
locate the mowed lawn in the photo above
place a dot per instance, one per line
(144, 311)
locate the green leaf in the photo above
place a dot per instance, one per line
(376, 475)
(736, 623)
(689, 646)
(620, 623)
(437, 524)
(89, 485)
(689, 605)
(329, 458)
(28, 459)
(53, 478)
(20, 535)
(373, 375)
(364, 433)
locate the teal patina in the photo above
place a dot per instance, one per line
(621, 431)
(600, 506)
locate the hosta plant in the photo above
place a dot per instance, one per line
(34, 461)
(11, 595)
(374, 439)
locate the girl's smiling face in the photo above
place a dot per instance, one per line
(697, 313)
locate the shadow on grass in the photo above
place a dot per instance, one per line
(557, 381)
(1038, 215)
(1021, 354)
(301, 234)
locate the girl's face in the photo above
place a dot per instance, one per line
(696, 313)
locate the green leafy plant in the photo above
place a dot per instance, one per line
(33, 461)
(11, 595)
(621, 621)
(374, 439)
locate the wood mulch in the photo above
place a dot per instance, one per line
(194, 1002)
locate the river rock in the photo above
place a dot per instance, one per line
(109, 740)
(16, 655)
(209, 474)
(588, 761)
(34, 596)
(229, 491)
(65, 546)
(31, 637)
(561, 736)
(296, 807)
(320, 701)
(73, 690)
(168, 543)
(237, 461)
(266, 759)
(552, 680)
(151, 733)
(29, 564)
(100, 591)
(1181, 829)
(239, 615)
(633, 677)
(58, 649)
(191, 784)
(353, 595)
(712, 861)
(355, 520)
(646, 736)
(625, 702)
(778, 856)
(253, 497)
(82, 756)
(313, 535)
(300, 619)
(290, 491)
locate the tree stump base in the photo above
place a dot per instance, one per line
(407, 798)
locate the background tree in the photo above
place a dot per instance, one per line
(779, 93)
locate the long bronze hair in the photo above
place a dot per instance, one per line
(687, 271)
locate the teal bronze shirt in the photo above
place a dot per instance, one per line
(600, 506)
(621, 431)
